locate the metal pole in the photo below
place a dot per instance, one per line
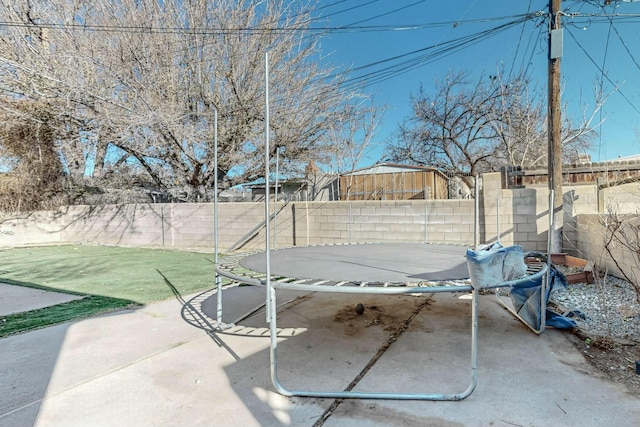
(275, 201)
(546, 283)
(349, 225)
(267, 231)
(215, 215)
(426, 221)
(498, 219)
(476, 214)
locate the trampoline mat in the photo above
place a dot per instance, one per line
(382, 262)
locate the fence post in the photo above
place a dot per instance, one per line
(349, 225)
(426, 222)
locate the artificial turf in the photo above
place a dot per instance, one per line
(110, 277)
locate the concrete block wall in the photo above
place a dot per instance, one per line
(577, 200)
(35, 228)
(125, 225)
(622, 198)
(192, 225)
(518, 216)
(437, 221)
(496, 211)
(522, 219)
(591, 236)
(524, 215)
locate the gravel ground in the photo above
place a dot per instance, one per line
(608, 307)
(608, 334)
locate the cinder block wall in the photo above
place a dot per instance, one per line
(437, 221)
(522, 219)
(577, 200)
(590, 245)
(515, 216)
(239, 224)
(34, 228)
(521, 215)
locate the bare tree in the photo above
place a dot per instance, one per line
(471, 127)
(521, 124)
(354, 139)
(142, 78)
(34, 176)
(622, 234)
(518, 120)
(452, 128)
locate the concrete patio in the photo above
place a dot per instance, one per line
(162, 366)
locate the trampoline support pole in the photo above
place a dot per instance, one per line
(378, 395)
(218, 278)
(546, 284)
(267, 228)
(476, 214)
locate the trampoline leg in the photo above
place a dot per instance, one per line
(219, 308)
(273, 349)
(474, 343)
(375, 395)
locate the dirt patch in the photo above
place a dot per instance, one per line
(387, 318)
(614, 358)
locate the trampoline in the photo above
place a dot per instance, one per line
(389, 269)
(366, 269)
(371, 263)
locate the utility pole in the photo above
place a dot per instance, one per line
(554, 152)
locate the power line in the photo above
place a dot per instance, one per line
(427, 55)
(151, 29)
(520, 40)
(386, 13)
(604, 74)
(604, 60)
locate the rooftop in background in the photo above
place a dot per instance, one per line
(379, 168)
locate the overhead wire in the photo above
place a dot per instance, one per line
(515, 56)
(533, 37)
(604, 74)
(395, 66)
(427, 55)
(371, 18)
(601, 89)
(624, 44)
(261, 28)
(440, 50)
(149, 29)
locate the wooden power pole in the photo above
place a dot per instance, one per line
(555, 131)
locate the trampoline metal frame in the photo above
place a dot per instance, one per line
(271, 287)
(341, 394)
(271, 305)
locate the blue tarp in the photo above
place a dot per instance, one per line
(525, 297)
(496, 264)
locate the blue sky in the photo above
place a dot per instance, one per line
(601, 46)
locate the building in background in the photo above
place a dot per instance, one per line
(388, 181)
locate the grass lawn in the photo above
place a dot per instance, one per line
(111, 277)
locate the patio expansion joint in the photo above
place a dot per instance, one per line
(383, 348)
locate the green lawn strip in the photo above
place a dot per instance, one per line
(111, 277)
(89, 306)
(134, 274)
